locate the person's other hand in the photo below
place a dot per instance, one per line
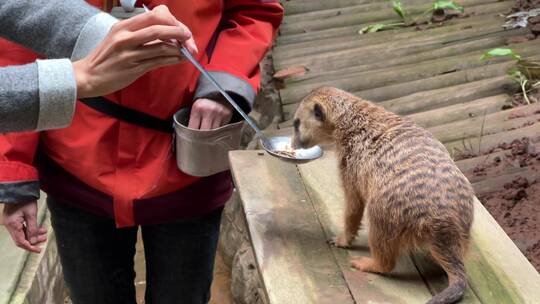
(20, 221)
(207, 114)
(132, 48)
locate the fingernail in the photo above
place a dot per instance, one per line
(193, 47)
(33, 240)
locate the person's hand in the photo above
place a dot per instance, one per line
(132, 48)
(207, 114)
(20, 221)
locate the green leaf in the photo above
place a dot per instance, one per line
(372, 28)
(398, 8)
(498, 52)
(447, 4)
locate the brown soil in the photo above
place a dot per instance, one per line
(525, 5)
(533, 95)
(517, 206)
(517, 209)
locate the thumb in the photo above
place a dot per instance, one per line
(31, 225)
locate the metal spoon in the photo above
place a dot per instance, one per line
(279, 147)
(128, 5)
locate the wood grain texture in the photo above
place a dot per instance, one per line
(294, 260)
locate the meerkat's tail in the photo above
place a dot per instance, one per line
(451, 260)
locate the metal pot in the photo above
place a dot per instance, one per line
(204, 153)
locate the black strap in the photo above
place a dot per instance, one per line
(125, 114)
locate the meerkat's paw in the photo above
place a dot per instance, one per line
(365, 264)
(340, 241)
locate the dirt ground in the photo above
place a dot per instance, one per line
(516, 207)
(524, 5)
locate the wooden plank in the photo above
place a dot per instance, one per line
(437, 279)
(467, 165)
(495, 183)
(460, 111)
(433, 99)
(294, 260)
(403, 73)
(351, 32)
(485, 144)
(385, 55)
(349, 37)
(404, 286)
(361, 18)
(441, 115)
(342, 10)
(298, 7)
(441, 81)
(483, 125)
(437, 98)
(401, 41)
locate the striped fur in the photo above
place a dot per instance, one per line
(413, 193)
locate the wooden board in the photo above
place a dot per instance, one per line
(294, 260)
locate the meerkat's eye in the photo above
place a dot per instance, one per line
(318, 112)
(296, 124)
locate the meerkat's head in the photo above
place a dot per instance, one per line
(313, 119)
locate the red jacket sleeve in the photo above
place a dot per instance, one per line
(246, 33)
(18, 177)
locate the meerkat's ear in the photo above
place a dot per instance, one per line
(318, 111)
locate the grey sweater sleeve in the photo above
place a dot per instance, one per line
(42, 95)
(48, 27)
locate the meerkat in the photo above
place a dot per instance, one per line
(414, 195)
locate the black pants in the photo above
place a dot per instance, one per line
(97, 258)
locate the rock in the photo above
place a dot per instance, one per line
(531, 149)
(535, 29)
(233, 230)
(534, 20)
(246, 286)
(515, 196)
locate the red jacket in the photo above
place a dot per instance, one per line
(118, 169)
